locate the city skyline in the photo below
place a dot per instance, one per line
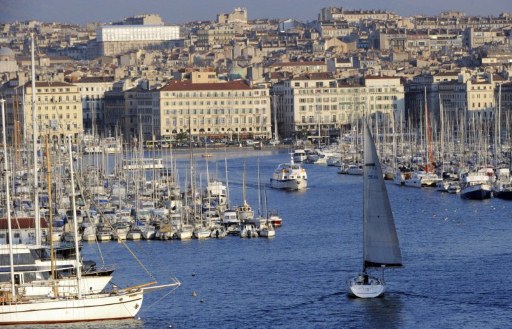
(178, 12)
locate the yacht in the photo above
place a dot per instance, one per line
(289, 176)
(299, 155)
(477, 185)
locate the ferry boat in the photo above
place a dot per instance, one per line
(146, 163)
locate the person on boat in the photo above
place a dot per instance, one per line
(365, 278)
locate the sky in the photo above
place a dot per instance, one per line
(180, 11)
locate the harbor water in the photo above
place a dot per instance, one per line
(457, 260)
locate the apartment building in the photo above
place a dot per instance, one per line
(92, 93)
(58, 112)
(141, 118)
(231, 110)
(215, 36)
(319, 104)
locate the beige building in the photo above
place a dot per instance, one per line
(319, 104)
(239, 15)
(231, 110)
(353, 16)
(58, 110)
(480, 98)
(215, 36)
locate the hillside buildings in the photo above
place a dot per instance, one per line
(232, 78)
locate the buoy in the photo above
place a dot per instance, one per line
(193, 274)
(194, 294)
(202, 300)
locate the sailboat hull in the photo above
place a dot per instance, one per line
(88, 308)
(371, 289)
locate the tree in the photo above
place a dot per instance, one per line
(182, 137)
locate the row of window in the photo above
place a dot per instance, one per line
(60, 107)
(215, 111)
(243, 102)
(102, 89)
(54, 116)
(52, 90)
(55, 98)
(354, 91)
(66, 126)
(215, 121)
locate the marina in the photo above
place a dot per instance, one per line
(317, 246)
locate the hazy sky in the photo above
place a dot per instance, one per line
(179, 11)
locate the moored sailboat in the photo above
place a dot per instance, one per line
(380, 241)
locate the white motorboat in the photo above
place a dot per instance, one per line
(476, 185)
(354, 169)
(502, 187)
(289, 176)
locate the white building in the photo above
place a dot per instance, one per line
(117, 33)
(118, 39)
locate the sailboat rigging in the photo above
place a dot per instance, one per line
(381, 247)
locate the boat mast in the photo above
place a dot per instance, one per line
(34, 141)
(75, 229)
(243, 186)
(8, 202)
(227, 181)
(50, 216)
(365, 156)
(427, 132)
(276, 137)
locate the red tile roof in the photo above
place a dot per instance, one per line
(189, 86)
(21, 223)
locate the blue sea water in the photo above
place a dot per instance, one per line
(457, 260)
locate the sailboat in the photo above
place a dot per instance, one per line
(381, 247)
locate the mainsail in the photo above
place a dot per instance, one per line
(381, 246)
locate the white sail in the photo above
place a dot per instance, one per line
(381, 246)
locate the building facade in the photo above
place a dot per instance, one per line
(116, 39)
(58, 112)
(232, 110)
(318, 105)
(92, 93)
